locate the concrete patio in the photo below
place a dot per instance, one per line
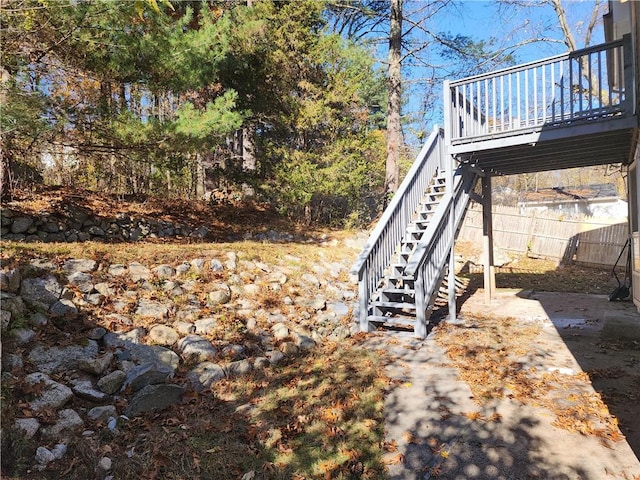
(436, 429)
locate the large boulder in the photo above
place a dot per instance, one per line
(195, 348)
(41, 292)
(154, 397)
(59, 359)
(51, 393)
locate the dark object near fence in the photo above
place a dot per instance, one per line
(623, 289)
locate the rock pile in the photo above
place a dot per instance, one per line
(126, 334)
(79, 224)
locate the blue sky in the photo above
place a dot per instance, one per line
(481, 19)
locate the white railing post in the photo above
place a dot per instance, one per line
(363, 300)
(629, 74)
(448, 107)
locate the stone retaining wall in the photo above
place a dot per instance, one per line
(79, 224)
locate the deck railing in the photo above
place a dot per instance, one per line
(391, 227)
(584, 85)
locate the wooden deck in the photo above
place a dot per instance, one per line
(567, 111)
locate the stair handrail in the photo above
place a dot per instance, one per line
(388, 232)
(462, 185)
(435, 245)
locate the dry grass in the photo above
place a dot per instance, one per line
(538, 274)
(320, 415)
(153, 254)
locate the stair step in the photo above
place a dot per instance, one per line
(396, 305)
(408, 247)
(406, 291)
(426, 213)
(392, 320)
(422, 222)
(398, 266)
(394, 282)
(394, 295)
(410, 241)
(430, 206)
(404, 278)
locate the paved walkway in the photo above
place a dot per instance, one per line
(431, 432)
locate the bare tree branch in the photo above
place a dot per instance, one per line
(595, 15)
(564, 25)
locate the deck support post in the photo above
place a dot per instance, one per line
(629, 77)
(451, 294)
(487, 241)
(452, 284)
(451, 280)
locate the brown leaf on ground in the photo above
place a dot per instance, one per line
(474, 415)
(487, 358)
(394, 460)
(410, 437)
(391, 446)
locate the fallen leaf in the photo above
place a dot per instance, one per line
(411, 438)
(474, 416)
(391, 446)
(395, 460)
(433, 442)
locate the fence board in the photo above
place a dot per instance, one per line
(602, 245)
(592, 241)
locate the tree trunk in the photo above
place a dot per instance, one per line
(394, 130)
(5, 177)
(248, 149)
(200, 176)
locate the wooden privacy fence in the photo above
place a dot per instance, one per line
(585, 240)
